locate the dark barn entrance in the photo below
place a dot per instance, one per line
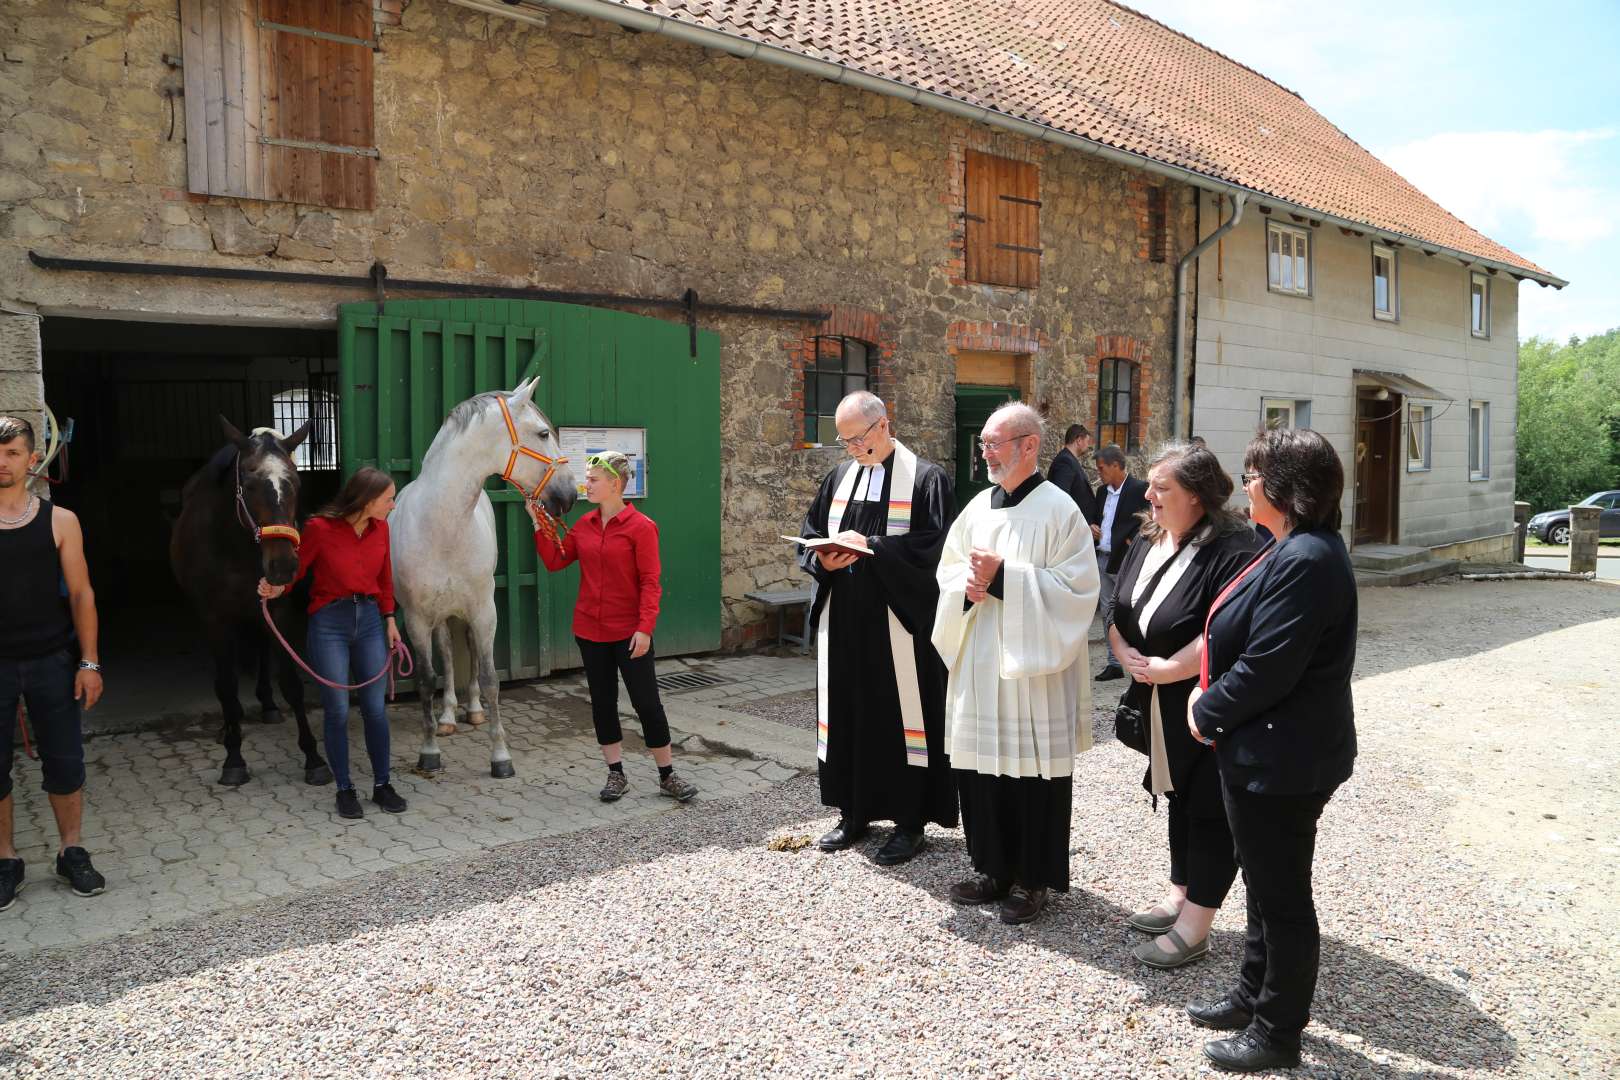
(144, 401)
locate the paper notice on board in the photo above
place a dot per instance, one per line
(579, 443)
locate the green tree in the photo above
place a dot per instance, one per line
(1569, 419)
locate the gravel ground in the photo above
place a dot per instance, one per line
(797, 709)
(1464, 928)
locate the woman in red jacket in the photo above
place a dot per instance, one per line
(351, 624)
(616, 547)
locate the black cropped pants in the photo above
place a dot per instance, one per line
(605, 661)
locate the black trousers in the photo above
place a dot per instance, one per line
(605, 661)
(1276, 841)
(1201, 855)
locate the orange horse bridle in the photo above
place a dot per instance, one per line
(543, 517)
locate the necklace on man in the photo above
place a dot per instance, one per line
(28, 508)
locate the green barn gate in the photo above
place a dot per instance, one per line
(403, 368)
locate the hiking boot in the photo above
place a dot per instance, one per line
(11, 881)
(616, 786)
(73, 866)
(676, 788)
(348, 804)
(388, 799)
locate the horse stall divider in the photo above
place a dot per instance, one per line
(403, 368)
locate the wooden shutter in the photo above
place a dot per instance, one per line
(1003, 241)
(279, 100)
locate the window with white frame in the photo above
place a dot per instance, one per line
(1288, 259)
(1385, 302)
(1479, 440)
(1479, 305)
(1283, 413)
(1419, 437)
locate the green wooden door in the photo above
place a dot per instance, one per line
(402, 370)
(974, 404)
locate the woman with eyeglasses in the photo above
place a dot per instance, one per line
(616, 547)
(1274, 701)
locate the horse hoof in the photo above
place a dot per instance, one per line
(318, 776)
(233, 776)
(271, 716)
(444, 731)
(429, 762)
(502, 770)
(476, 719)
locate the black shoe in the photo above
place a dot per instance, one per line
(901, 846)
(348, 804)
(1109, 673)
(11, 881)
(73, 866)
(1222, 1015)
(1023, 905)
(386, 797)
(841, 835)
(1249, 1051)
(983, 889)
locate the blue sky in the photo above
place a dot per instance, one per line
(1506, 113)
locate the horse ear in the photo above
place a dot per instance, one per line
(524, 392)
(290, 442)
(232, 435)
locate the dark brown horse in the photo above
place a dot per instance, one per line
(218, 555)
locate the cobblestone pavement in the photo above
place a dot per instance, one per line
(174, 844)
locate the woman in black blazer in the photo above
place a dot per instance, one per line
(1190, 546)
(1275, 703)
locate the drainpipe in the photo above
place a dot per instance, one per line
(1178, 349)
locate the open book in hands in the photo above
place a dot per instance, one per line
(829, 544)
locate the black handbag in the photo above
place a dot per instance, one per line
(1131, 726)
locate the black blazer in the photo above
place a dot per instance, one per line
(1132, 501)
(1281, 649)
(1067, 473)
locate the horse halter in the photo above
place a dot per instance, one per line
(260, 532)
(549, 523)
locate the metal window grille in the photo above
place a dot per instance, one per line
(841, 365)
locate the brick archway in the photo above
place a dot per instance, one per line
(1126, 347)
(842, 320)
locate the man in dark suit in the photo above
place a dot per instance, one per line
(1119, 498)
(1068, 473)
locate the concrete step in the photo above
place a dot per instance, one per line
(1386, 558)
(1414, 574)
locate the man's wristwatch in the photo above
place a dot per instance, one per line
(89, 665)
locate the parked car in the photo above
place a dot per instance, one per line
(1552, 526)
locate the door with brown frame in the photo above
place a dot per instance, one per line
(1378, 432)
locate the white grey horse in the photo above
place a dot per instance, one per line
(444, 553)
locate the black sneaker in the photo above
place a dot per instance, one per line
(11, 881)
(73, 866)
(386, 797)
(348, 804)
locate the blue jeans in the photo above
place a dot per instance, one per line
(347, 644)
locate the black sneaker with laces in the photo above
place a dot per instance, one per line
(73, 866)
(348, 804)
(11, 881)
(388, 799)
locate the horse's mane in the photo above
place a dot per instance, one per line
(460, 418)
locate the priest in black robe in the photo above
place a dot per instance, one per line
(880, 740)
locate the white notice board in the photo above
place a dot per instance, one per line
(579, 443)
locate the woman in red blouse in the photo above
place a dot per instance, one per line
(616, 547)
(351, 624)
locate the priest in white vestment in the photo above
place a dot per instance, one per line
(1018, 585)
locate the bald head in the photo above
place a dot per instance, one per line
(1011, 443)
(862, 421)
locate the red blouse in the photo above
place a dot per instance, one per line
(345, 564)
(618, 573)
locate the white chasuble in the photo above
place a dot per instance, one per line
(1018, 702)
(901, 495)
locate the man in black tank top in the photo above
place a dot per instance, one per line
(48, 658)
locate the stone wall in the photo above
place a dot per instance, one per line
(579, 156)
(1487, 549)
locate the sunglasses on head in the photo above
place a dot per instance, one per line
(597, 461)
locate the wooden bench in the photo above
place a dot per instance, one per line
(779, 601)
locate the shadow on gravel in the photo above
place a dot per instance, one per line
(1387, 1004)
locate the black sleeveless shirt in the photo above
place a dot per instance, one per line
(34, 616)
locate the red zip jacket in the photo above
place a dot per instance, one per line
(345, 564)
(618, 573)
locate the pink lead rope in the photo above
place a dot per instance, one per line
(399, 662)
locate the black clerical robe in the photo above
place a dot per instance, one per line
(866, 771)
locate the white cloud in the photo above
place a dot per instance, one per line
(1516, 183)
